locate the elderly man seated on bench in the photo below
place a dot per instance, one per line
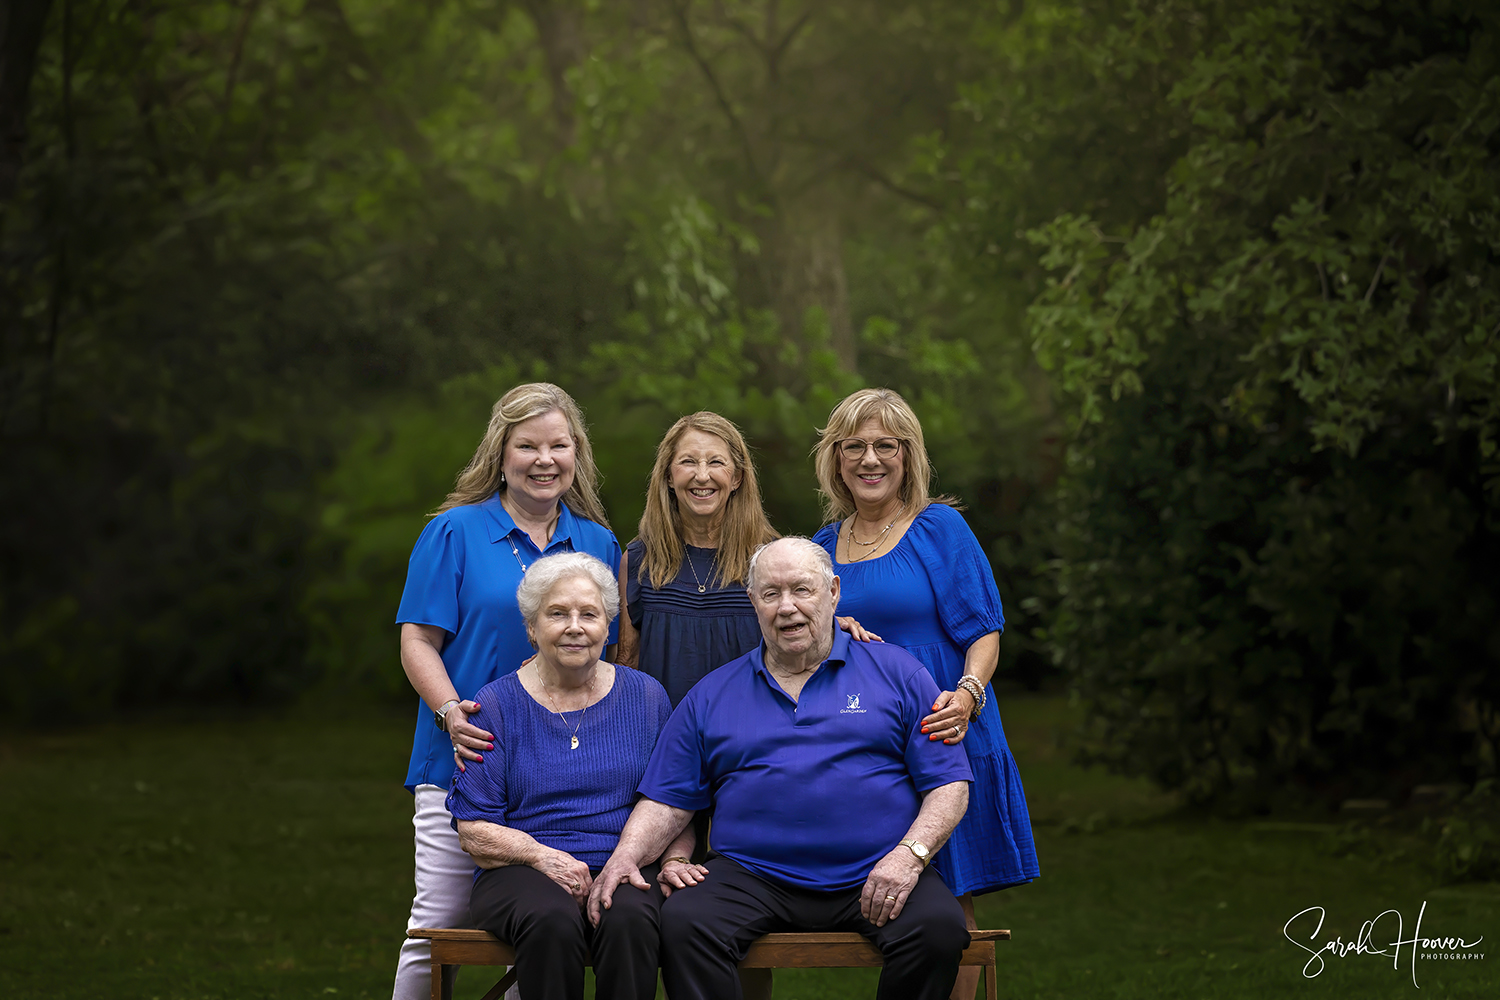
(828, 799)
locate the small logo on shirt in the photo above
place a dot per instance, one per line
(853, 706)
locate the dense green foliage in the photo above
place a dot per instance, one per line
(1197, 300)
(1277, 537)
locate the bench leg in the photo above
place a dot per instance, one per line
(991, 984)
(506, 982)
(442, 980)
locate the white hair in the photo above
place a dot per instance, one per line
(548, 571)
(802, 544)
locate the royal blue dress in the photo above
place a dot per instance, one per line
(934, 595)
(685, 634)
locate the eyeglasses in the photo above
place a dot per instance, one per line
(854, 448)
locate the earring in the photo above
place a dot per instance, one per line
(502, 479)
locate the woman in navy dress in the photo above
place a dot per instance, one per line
(682, 579)
(911, 569)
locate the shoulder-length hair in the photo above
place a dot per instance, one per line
(483, 475)
(744, 526)
(896, 415)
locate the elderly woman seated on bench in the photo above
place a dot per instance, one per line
(541, 812)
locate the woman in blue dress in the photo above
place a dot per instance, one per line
(530, 490)
(911, 569)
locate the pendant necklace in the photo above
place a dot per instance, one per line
(689, 557)
(573, 736)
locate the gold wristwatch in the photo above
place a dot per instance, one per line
(919, 849)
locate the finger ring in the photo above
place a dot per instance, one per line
(955, 730)
(574, 885)
(890, 897)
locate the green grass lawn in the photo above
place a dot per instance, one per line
(272, 858)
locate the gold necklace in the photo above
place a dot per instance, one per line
(589, 693)
(870, 547)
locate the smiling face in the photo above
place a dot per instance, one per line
(794, 604)
(538, 461)
(874, 482)
(702, 474)
(571, 625)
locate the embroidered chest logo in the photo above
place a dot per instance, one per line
(852, 708)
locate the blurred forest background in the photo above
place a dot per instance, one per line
(1198, 300)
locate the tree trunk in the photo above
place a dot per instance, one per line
(22, 23)
(805, 268)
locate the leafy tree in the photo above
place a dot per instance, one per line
(1278, 524)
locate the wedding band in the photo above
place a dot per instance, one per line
(955, 730)
(890, 897)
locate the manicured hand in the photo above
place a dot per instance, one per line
(468, 740)
(611, 876)
(679, 875)
(568, 872)
(856, 630)
(949, 720)
(889, 885)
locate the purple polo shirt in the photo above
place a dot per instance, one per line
(810, 793)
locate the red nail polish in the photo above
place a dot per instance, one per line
(489, 746)
(479, 756)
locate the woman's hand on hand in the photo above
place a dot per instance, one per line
(857, 631)
(568, 872)
(679, 875)
(949, 720)
(468, 740)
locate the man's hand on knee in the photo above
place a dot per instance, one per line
(890, 883)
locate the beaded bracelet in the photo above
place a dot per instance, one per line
(970, 683)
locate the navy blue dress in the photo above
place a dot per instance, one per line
(685, 634)
(934, 595)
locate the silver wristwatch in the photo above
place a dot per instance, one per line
(440, 714)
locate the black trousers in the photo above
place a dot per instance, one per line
(551, 933)
(707, 929)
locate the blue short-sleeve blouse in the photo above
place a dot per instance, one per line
(462, 578)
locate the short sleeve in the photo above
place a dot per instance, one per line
(963, 583)
(636, 550)
(479, 791)
(677, 774)
(929, 762)
(433, 576)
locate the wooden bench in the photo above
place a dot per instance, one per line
(774, 951)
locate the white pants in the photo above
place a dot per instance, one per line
(444, 878)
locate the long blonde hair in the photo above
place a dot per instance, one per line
(744, 527)
(896, 415)
(485, 472)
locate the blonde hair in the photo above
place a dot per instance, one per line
(742, 528)
(887, 406)
(485, 473)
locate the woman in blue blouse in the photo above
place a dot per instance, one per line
(529, 490)
(911, 569)
(542, 812)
